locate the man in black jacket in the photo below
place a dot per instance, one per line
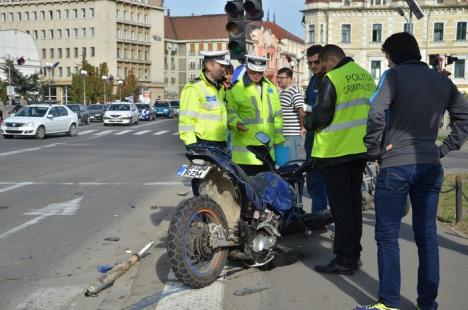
(339, 121)
(401, 132)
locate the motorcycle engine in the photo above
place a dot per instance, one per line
(262, 242)
(267, 232)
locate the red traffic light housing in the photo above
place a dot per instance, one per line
(253, 9)
(236, 29)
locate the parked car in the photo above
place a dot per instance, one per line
(121, 113)
(145, 112)
(166, 108)
(39, 120)
(81, 111)
(96, 112)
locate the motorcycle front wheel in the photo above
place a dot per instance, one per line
(193, 261)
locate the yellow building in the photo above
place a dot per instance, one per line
(361, 26)
(127, 35)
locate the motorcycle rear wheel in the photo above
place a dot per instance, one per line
(192, 259)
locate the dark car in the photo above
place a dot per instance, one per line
(81, 111)
(145, 113)
(96, 111)
(166, 108)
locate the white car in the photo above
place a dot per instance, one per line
(38, 120)
(121, 113)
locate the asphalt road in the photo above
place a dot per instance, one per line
(61, 197)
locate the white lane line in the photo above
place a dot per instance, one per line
(6, 189)
(177, 296)
(163, 183)
(141, 132)
(86, 132)
(51, 297)
(62, 208)
(153, 123)
(105, 132)
(122, 132)
(31, 149)
(175, 133)
(160, 132)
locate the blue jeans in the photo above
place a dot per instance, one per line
(315, 183)
(423, 183)
(293, 143)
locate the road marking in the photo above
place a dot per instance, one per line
(141, 132)
(178, 296)
(6, 189)
(86, 131)
(61, 208)
(163, 183)
(160, 132)
(153, 123)
(123, 132)
(175, 133)
(51, 297)
(31, 149)
(105, 132)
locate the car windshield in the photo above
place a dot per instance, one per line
(162, 104)
(119, 107)
(32, 111)
(74, 108)
(142, 106)
(175, 104)
(96, 107)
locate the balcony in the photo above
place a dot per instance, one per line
(133, 23)
(136, 61)
(134, 42)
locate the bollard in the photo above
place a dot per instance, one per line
(458, 200)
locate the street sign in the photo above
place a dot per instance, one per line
(11, 91)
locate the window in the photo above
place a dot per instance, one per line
(91, 12)
(117, 13)
(59, 52)
(321, 33)
(76, 70)
(52, 54)
(19, 16)
(34, 15)
(118, 52)
(83, 51)
(146, 37)
(44, 53)
(133, 35)
(461, 31)
(132, 16)
(67, 52)
(126, 53)
(376, 32)
(76, 52)
(438, 32)
(67, 13)
(35, 34)
(83, 13)
(68, 71)
(408, 28)
(311, 34)
(91, 32)
(58, 14)
(192, 65)
(60, 71)
(375, 69)
(59, 33)
(346, 33)
(459, 69)
(51, 15)
(26, 15)
(3, 17)
(83, 32)
(43, 34)
(146, 74)
(133, 54)
(11, 17)
(146, 55)
(139, 17)
(75, 32)
(126, 34)
(93, 51)
(146, 19)
(67, 33)
(125, 15)
(42, 15)
(51, 34)
(75, 13)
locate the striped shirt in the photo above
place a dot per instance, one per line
(291, 100)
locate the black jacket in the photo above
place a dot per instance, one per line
(406, 111)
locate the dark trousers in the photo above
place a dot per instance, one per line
(343, 182)
(252, 170)
(315, 183)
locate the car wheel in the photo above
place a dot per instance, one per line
(40, 132)
(7, 136)
(72, 130)
(105, 124)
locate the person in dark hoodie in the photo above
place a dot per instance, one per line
(339, 122)
(402, 128)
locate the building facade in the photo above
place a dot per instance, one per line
(127, 35)
(361, 26)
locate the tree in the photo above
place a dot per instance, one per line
(27, 86)
(3, 96)
(130, 85)
(94, 84)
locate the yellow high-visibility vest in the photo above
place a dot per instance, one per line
(258, 113)
(344, 136)
(202, 112)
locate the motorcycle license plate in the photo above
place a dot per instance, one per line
(193, 171)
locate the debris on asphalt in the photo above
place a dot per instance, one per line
(132, 206)
(112, 239)
(154, 207)
(183, 193)
(104, 268)
(113, 274)
(128, 251)
(250, 290)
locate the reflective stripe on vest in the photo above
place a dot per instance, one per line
(198, 115)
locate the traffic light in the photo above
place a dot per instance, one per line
(235, 27)
(253, 9)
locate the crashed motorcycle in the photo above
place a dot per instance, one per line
(233, 215)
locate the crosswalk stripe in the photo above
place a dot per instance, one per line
(105, 132)
(175, 133)
(86, 131)
(160, 132)
(122, 132)
(141, 132)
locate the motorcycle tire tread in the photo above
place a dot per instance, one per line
(175, 242)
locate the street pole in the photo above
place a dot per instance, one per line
(411, 21)
(49, 84)
(105, 78)
(84, 74)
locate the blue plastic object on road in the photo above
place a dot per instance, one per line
(281, 154)
(104, 268)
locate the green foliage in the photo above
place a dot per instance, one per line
(130, 85)
(3, 96)
(94, 84)
(27, 86)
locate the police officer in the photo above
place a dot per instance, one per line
(339, 121)
(253, 106)
(203, 116)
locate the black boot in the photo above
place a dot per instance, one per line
(335, 268)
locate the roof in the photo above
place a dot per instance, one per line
(281, 33)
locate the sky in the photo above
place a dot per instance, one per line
(286, 11)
